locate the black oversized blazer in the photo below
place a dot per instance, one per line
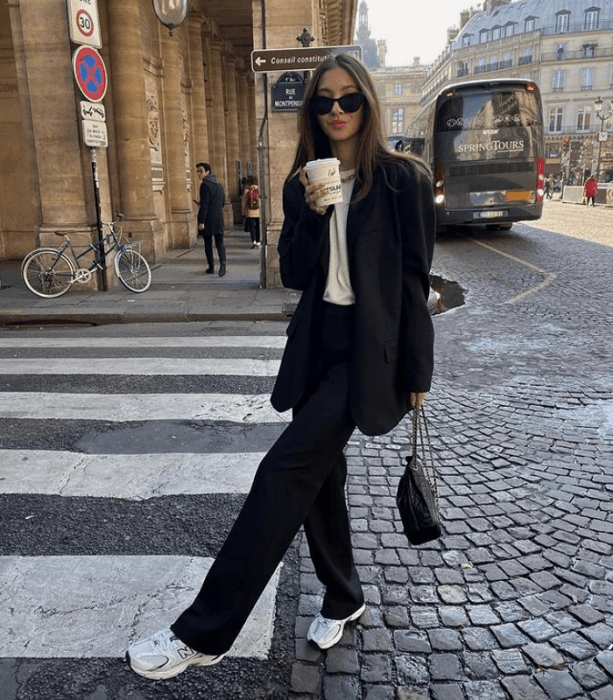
(390, 238)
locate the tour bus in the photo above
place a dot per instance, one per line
(484, 143)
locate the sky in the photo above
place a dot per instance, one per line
(414, 27)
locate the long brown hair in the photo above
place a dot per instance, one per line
(371, 148)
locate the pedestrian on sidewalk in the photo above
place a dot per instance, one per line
(359, 354)
(210, 217)
(590, 190)
(250, 204)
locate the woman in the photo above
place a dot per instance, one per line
(590, 190)
(359, 353)
(250, 205)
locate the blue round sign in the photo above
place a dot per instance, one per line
(90, 73)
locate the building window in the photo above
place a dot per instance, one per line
(462, 69)
(562, 22)
(611, 78)
(397, 88)
(558, 81)
(466, 40)
(561, 52)
(481, 66)
(398, 120)
(587, 78)
(591, 19)
(484, 36)
(530, 24)
(494, 63)
(526, 57)
(496, 33)
(583, 119)
(507, 61)
(555, 119)
(509, 29)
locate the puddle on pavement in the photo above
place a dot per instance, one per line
(450, 293)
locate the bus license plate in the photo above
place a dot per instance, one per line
(490, 214)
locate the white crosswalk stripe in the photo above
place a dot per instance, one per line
(93, 606)
(71, 474)
(238, 408)
(150, 366)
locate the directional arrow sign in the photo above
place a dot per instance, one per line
(270, 60)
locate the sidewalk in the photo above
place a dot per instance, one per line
(180, 291)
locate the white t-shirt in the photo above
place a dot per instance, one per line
(338, 285)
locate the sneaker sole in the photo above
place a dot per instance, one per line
(358, 613)
(161, 674)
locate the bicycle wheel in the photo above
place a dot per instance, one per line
(133, 270)
(48, 273)
(27, 256)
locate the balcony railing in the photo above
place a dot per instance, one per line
(523, 60)
(578, 54)
(579, 28)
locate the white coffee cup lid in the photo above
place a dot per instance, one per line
(322, 162)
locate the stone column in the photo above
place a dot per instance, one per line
(277, 145)
(244, 141)
(232, 135)
(130, 125)
(176, 138)
(217, 132)
(60, 171)
(254, 126)
(200, 139)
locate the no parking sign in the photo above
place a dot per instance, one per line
(90, 73)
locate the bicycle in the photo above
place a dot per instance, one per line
(49, 272)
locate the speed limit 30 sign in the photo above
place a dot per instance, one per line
(84, 23)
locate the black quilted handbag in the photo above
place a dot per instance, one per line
(417, 496)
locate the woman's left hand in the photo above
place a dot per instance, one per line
(417, 399)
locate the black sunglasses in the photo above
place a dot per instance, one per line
(350, 102)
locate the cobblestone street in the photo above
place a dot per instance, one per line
(516, 599)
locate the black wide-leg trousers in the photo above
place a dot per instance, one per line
(301, 481)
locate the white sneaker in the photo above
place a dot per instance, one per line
(163, 655)
(326, 633)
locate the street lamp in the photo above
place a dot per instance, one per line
(170, 12)
(603, 115)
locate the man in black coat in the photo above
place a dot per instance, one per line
(210, 217)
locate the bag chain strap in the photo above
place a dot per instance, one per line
(421, 444)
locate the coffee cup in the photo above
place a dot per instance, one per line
(326, 172)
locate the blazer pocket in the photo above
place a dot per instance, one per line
(390, 350)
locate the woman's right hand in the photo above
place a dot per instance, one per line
(312, 193)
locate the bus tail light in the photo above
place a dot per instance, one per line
(540, 179)
(439, 184)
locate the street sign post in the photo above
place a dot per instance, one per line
(270, 60)
(92, 110)
(288, 92)
(84, 23)
(95, 134)
(90, 73)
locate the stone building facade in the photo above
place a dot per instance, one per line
(566, 47)
(173, 99)
(399, 87)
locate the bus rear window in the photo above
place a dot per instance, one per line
(510, 108)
